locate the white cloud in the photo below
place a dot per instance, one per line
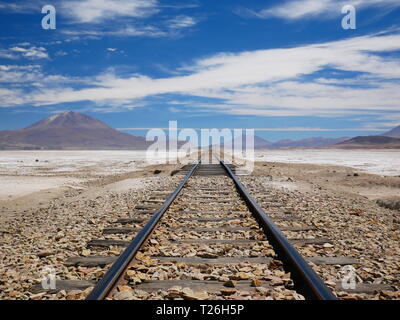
(265, 82)
(24, 44)
(33, 80)
(95, 19)
(126, 31)
(12, 97)
(26, 6)
(20, 74)
(30, 53)
(61, 53)
(181, 21)
(97, 11)
(164, 29)
(7, 55)
(298, 9)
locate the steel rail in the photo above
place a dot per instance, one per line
(107, 283)
(306, 281)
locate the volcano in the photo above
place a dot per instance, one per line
(70, 131)
(394, 133)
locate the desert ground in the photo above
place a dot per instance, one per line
(51, 202)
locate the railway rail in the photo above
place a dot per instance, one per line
(203, 236)
(208, 240)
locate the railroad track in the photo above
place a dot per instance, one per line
(208, 240)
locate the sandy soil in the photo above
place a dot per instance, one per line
(32, 179)
(328, 178)
(22, 197)
(43, 182)
(381, 162)
(13, 187)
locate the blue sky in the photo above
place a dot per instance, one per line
(286, 68)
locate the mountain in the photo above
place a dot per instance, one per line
(308, 142)
(394, 133)
(371, 142)
(388, 140)
(259, 143)
(70, 130)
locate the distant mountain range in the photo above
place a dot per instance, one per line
(70, 130)
(260, 143)
(390, 139)
(370, 142)
(308, 142)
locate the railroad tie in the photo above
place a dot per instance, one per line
(212, 199)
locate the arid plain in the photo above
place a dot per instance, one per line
(52, 201)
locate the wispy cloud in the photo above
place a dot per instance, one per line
(95, 19)
(299, 9)
(21, 83)
(18, 52)
(167, 28)
(7, 54)
(273, 82)
(98, 11)
(126, 31)
(27, 6)
(61, 53)
(31, 52)
(20, 74)
(181, 21)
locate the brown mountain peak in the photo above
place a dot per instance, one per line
(70, 130)
(69, 119)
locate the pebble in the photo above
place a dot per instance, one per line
(262, 290)
(228, 292)
(124, 295)
(188, 294)
(44, 254)
(230, 284)
(256, 283)
(124, 288)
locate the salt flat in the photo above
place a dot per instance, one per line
(25, 172)
(54, 163)
(382, 162)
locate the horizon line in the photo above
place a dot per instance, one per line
(263, 129)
